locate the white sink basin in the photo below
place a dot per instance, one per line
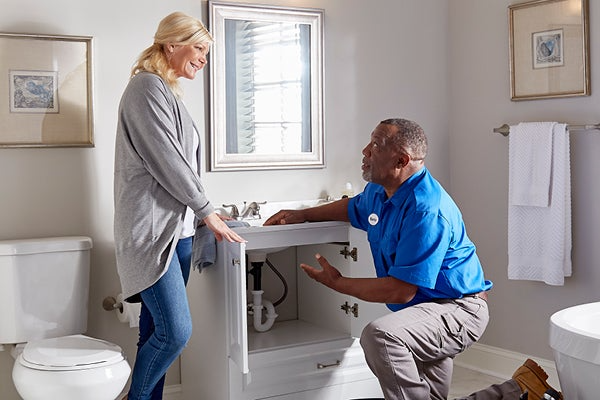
(273, 238)
(255, 222)
(270, 208)
(277, 237)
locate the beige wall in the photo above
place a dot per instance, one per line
(480, 101)
(443, 64)
(381, 61)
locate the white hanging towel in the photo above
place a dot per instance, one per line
(539, 206)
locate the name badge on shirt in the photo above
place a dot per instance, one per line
(373, 219)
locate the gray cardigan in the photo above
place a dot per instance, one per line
(154, 181)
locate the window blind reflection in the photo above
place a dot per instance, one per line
(268, 87)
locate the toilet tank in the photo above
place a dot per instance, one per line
(44, 286)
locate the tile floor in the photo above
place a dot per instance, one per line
(466, 381)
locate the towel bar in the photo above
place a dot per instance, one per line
(505, 129)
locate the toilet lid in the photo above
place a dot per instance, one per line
(69, 353)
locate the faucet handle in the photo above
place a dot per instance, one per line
(235, 213)
(252, 209)
(255, 204)
(256, 211)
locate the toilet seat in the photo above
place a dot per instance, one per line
(70, 353)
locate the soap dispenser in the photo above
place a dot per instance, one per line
(348, 190)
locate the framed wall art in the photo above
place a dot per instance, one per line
(549, 49)
(45, 91)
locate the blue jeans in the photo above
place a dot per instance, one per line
(165, 326)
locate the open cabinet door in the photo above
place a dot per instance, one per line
(363, 267)
(235, 286)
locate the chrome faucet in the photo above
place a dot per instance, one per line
(235, 213)
(251, 210)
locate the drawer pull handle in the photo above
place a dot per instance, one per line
(337, 363)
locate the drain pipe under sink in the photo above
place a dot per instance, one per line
(257, 259)
(257, 305)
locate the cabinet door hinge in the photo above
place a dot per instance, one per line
(352, 253)
(347, 308)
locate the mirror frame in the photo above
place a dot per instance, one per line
(220, 160)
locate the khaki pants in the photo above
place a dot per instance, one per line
(411, 351)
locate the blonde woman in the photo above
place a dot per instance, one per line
(159, 198)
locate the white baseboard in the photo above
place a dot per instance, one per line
(172, 392)
(502, 363)
(486, 359)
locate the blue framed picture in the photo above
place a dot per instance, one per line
(549, 49)
(33, 91)
(46, 97)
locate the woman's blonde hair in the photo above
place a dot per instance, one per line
(176, 28)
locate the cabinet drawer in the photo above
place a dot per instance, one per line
(351, 390)
(304, 368)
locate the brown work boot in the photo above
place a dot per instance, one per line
(532, 379)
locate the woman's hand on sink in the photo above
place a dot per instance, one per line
(217, 225)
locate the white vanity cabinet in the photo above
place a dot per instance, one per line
(312, 350)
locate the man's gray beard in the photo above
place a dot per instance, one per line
(366, 175)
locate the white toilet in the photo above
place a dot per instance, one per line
(44, 286)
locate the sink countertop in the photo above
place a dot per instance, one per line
(265, 237)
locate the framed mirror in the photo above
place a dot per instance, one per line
(266, 87)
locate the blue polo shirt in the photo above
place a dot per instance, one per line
(418, 236)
